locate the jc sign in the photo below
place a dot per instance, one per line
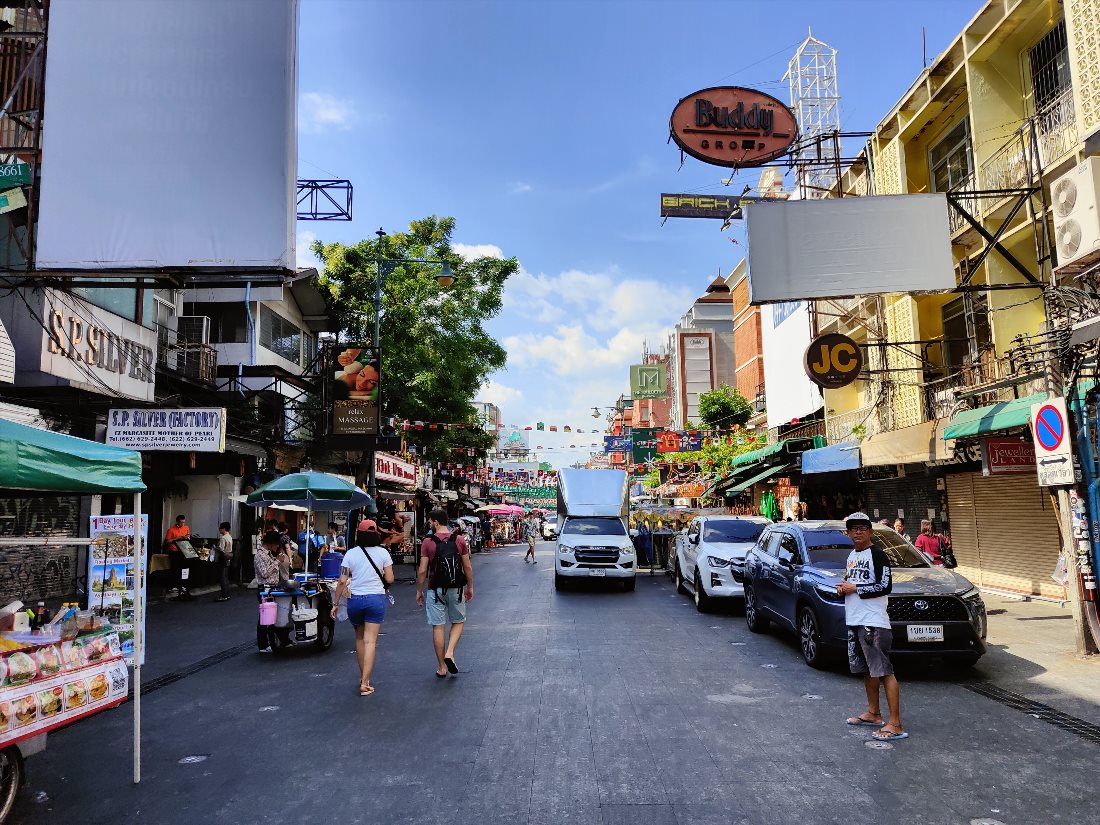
(833, 361)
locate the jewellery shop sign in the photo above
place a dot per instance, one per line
(169, 430)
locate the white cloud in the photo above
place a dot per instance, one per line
(519, 188)
(472, 252)
(303, 256)
(571, 350)
(496, 393)
(320, 112)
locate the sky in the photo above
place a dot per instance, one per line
(542, 127)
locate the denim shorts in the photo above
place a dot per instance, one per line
(449, 609)
(367, 609)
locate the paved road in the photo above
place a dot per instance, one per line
(590, 708)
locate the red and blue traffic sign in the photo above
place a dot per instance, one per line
(1050, 428)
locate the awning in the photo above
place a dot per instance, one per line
(756, 455)
(428, 494)
(831, 459)
(910, 445)
(763, 475)
(34, 459)
(447, 495)
(395, 493)
(242, 447)
(991, 419)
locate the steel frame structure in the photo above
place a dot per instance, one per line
(319, 203)
(815, 99)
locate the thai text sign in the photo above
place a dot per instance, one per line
(648, 381)
(644, 442)
(192, 430)
(1001, 456)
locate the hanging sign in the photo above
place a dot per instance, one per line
(732, 126)
(617, 443)
(648, 381)
(354, 389)
(112, 576)
(190, 430)
(1005, 456)
(1050, 434)
(833, 361)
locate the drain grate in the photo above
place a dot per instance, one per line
(1070, 724)
(201, 664)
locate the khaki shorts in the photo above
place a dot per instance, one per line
(869, 651)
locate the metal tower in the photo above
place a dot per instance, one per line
(815, 101)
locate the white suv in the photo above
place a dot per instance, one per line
(710, 558)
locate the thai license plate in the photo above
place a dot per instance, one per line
(925, 632)
(597, 572)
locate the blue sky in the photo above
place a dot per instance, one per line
(541, 127)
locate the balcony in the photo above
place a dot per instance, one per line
(989, 380)
(1056, 128)
(853, 425)
(188, 359)
(957, 222)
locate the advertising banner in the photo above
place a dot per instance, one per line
(648, 381)
(391, 468)
(112, 575)
(617, 443)
(191, 430)
(354, 389)
(644, 440)
(1006, 456)
(668, 442)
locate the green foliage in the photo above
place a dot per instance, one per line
(436, 352)
(716, 457)
(653, 479)
(724, 408)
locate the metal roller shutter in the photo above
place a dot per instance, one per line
(964, 525)
(39, 570)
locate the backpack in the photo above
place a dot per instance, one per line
(446, 570)
(946, 555)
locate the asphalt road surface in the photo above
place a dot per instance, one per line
(593, 707)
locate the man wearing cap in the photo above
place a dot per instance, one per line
(866, 588)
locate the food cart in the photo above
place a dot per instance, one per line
(52, 679)
(302, 614)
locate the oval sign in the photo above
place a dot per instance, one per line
(732, 126)
(833, 361)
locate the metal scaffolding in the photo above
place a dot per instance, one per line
(815, 101)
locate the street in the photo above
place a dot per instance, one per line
(589, 706)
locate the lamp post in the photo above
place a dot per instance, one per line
(445, 278)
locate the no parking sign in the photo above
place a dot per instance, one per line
(1050, 432)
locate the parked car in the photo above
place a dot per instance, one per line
(710, 558)
(792, 572)
(550, 528)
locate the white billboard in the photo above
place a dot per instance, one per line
(785, 334)
(840, 247)
(169, 135)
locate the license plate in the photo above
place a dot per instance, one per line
(597, 572)
(925, 632)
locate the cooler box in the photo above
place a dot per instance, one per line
(305, 624)
(330, 564)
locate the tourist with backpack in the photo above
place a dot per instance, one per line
(444, 585)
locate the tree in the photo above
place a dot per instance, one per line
(717, 455)
(436, 353)
(724, 408)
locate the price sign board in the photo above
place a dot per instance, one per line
(1050, 432)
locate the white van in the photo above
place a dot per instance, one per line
(593, 541)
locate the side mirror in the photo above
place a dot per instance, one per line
(694, 539)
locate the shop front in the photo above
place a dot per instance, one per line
(831, 485)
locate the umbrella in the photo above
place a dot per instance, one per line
(317, 491)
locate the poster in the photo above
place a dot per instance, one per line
(112, 575)
(354, 389)
(189, 430)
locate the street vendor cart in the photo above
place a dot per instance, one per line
(76, 667)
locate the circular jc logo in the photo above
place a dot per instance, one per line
(833, 361)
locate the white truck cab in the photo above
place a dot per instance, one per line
(593, 541)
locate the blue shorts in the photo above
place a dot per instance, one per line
(448, 609)
(367, 609)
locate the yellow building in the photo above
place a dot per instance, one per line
(1011, 106)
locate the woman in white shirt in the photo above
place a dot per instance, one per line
(365, 574)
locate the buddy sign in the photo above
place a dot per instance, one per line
(833, 361)
(731, 126)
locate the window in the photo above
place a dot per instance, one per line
(732, 531)
(280, 336)
(788, 550)
(593, 527)
(958, 331)
(1049, 63)
(122, 302)
(950, 161)
(772, 546)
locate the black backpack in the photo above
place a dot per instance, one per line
(446, 570)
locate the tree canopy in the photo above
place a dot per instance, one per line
(436, 353)
(724, 408)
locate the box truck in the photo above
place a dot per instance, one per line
(593, 540)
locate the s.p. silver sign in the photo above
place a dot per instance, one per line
(190, 430)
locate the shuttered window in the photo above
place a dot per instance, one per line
(280, 336)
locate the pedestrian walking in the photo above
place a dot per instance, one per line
(272, 568)
(645, 544)
(444, 586)
(225, 558)
(928, 543)
(866, 588)
(366, 573)
(530, 530)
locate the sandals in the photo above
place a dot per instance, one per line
(366, 690)
(856, 721)
(450, 663)
(883, 735)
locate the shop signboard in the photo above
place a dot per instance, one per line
(732, 126)
(617, 443)
(648, 381)
(189, 430)
(391, 468)
(12, 199)
(354, 389)
(833, 361)
(1006, 456)
(668, 442)
(14, 174)
(112, 575)
(644, 444)
(688, 205)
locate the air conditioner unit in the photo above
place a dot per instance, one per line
(1074, 200)
(193, 329)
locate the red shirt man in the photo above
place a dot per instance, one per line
(179, 530)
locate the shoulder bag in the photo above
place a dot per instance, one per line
(948, 557)
(381, 578)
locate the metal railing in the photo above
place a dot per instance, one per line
(853, 425)
(1008, 167)
(955, 220)
(1056, 126)
(191, 359)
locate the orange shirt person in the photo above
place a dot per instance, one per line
(179, 530)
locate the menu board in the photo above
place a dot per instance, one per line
(111, 575)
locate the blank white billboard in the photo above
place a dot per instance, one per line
(169, 135)
(840, 247)
(785, 334)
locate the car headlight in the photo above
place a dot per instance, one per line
(713, 562)
(564, 548)
(973, 593)
(626, 551)
(828, 594)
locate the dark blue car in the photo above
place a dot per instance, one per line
(792, 572)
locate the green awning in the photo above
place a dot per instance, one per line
(40, 460)
(756, 455)
(763, 475)
(1002, 416)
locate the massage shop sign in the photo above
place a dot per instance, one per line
(186, 430)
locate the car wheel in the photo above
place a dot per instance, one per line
(809, 638)
(756, 622)
(559, 581)
(963, 661)
(629, 584)
(681, 588)
(703, 602)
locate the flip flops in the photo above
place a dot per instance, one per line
(857, 721)
(889, 735)
(450, 663)
(365, 691)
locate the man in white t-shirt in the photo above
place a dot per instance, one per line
(366, 573)
(866, 589)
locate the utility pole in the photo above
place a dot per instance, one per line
(372, 479)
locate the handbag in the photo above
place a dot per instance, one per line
(381, 578)
(946, 556)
